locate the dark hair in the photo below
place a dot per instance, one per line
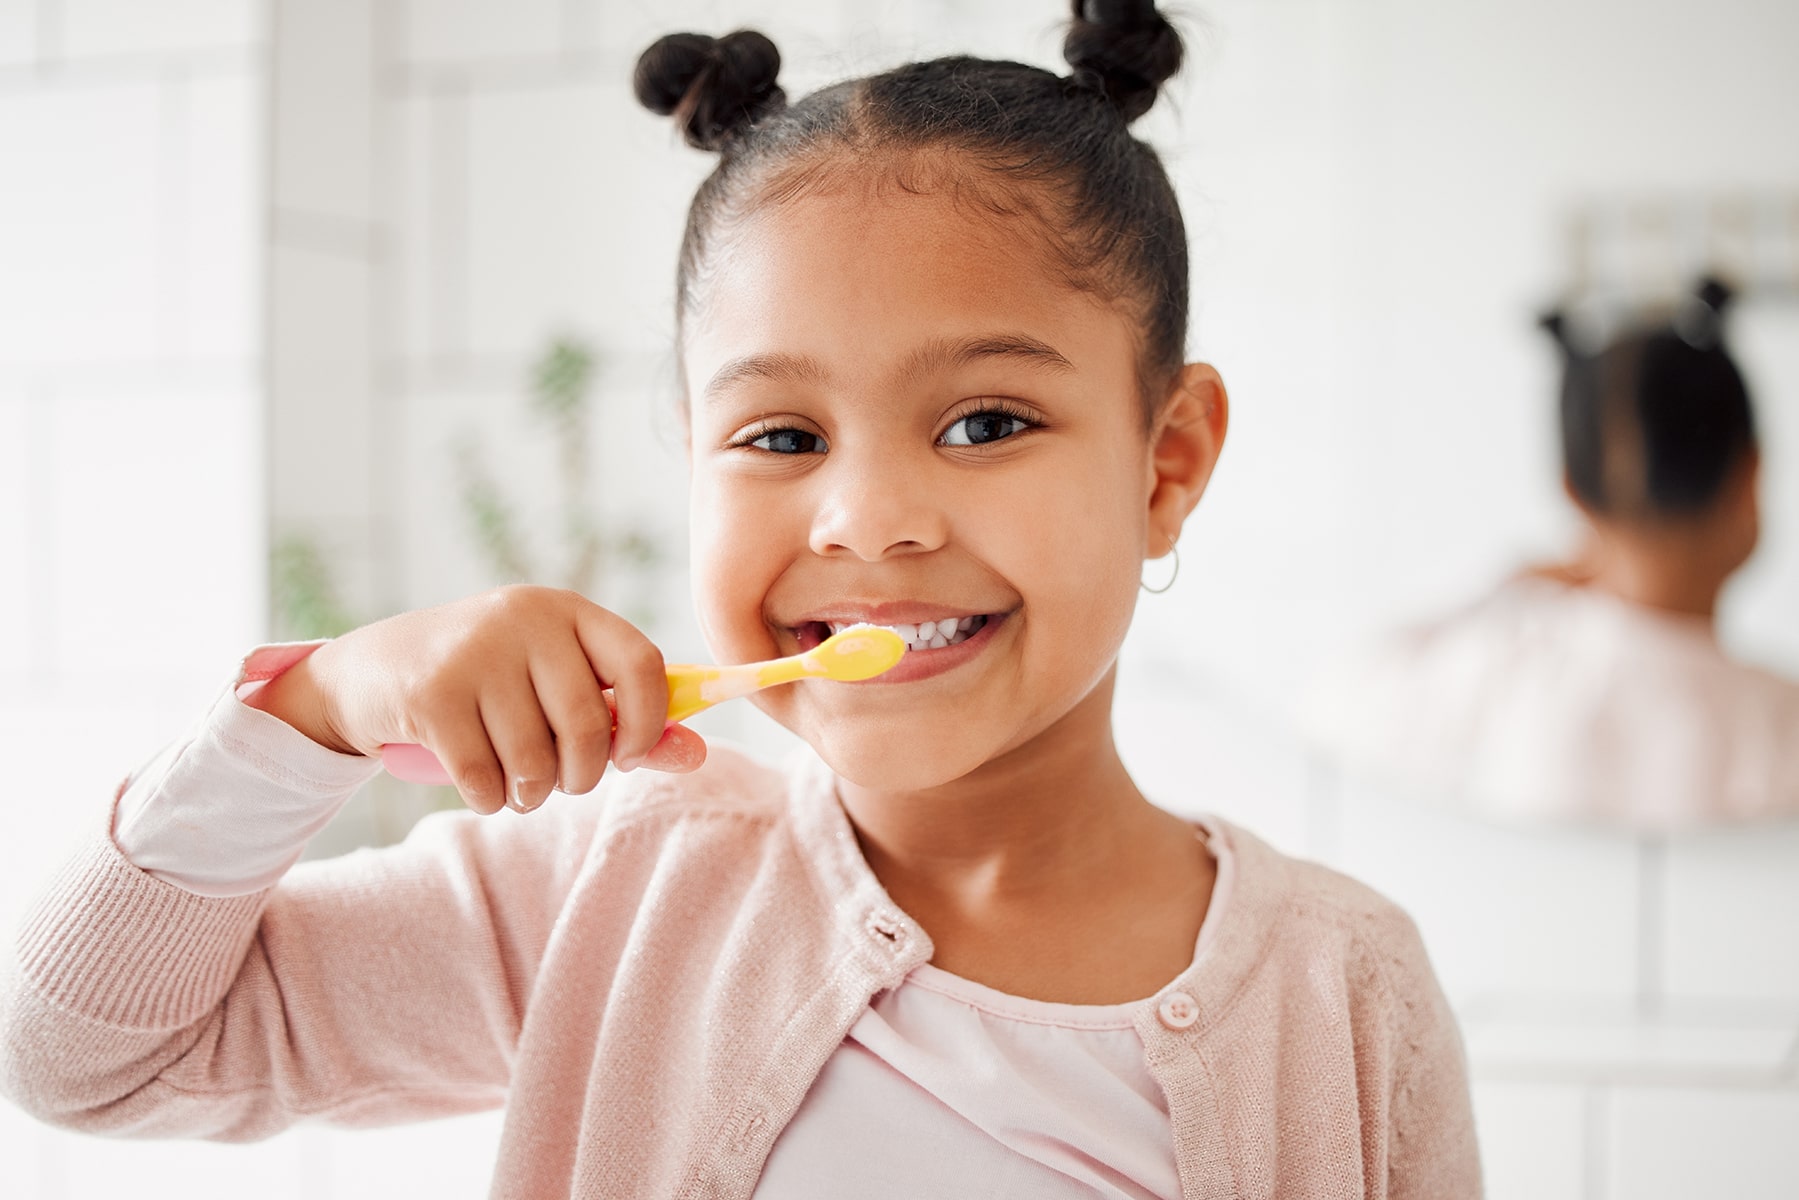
(1111, 216)
(1654, 421)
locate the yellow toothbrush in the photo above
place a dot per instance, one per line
(859, 652)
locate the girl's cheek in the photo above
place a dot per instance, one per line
(730, 561)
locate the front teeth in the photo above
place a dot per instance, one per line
(929, 635)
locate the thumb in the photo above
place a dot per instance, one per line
(681, 750)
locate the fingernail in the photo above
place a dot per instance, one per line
(514, 798)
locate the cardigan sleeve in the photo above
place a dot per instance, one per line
(228, 810)
(1431, 1149)
(384, 986)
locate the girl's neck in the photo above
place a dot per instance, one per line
(1668, 571)
(1040, 818)
(1045, 874)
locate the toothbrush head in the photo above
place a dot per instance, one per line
(859, 652)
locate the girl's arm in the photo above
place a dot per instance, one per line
(1430, 1142)
(380, 987)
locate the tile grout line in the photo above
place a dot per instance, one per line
(1652, 857)
(387, 546)
(48, 34)
(172, 224)
(269, 169)
(40, 610)
(449, 175)
(60, 73)
(1596, 1114)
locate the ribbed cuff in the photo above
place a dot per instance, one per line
(111, 943)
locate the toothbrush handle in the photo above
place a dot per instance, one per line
(691, 689)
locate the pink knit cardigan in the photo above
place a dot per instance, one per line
(650, 979)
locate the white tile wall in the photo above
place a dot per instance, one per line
(455, 31)
(1674, 1144)
(83, 235)
(16, 540)
(555, 175)
(420, 256)
(213, 271)
(1504, 913)
(1533, 1141)
(158, 532)
(1732, 916)
(322, 97)
(1192, 751)
(108, 27)
(811, 34)
(321, 357)
(1611, 1047)
(67, 754)
(18, 31)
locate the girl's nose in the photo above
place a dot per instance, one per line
(877, 509)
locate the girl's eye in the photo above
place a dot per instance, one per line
(983, 428)
(789, 441)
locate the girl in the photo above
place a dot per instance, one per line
(931, 334)
(1594, 690)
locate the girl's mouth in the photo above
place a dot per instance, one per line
(932, 647)
(918, 637)
(939, 634)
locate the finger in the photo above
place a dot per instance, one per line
(461, 745)
(578, 716)
(521, 737)
(681, 750)
(629, 663)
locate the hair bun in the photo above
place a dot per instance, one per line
(713, 87)
(1714, 293)
(1699, 320)
(1555, 324)
(1124, 49)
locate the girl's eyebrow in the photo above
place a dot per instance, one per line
(959, 352)
(933, 355)
(776, 368)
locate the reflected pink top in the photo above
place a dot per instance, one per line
(1544, 702)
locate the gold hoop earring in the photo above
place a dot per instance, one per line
(1175, 550)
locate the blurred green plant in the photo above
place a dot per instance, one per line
(561, 397)
(303, 593)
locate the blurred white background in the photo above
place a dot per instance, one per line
(266, 264)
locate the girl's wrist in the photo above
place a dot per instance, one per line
(295, 699)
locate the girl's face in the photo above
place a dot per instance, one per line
(899, 413)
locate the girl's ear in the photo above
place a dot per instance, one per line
(1184, 445)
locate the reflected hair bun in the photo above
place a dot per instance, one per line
(714, 88)
(1124, 49)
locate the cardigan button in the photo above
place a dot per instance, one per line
(1178, 1010)
(886, 929)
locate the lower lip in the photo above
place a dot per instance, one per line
(922, 664)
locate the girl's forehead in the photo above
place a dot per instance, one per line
(886, 252)
(841, 272)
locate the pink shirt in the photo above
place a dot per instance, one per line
(1014, 1097)
(1543, 702)
(654, 979)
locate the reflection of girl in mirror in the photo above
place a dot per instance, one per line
(932, 332)
(1594, 688)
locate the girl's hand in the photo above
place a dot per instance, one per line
(507, 688)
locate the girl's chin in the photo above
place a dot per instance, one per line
(886, 764)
